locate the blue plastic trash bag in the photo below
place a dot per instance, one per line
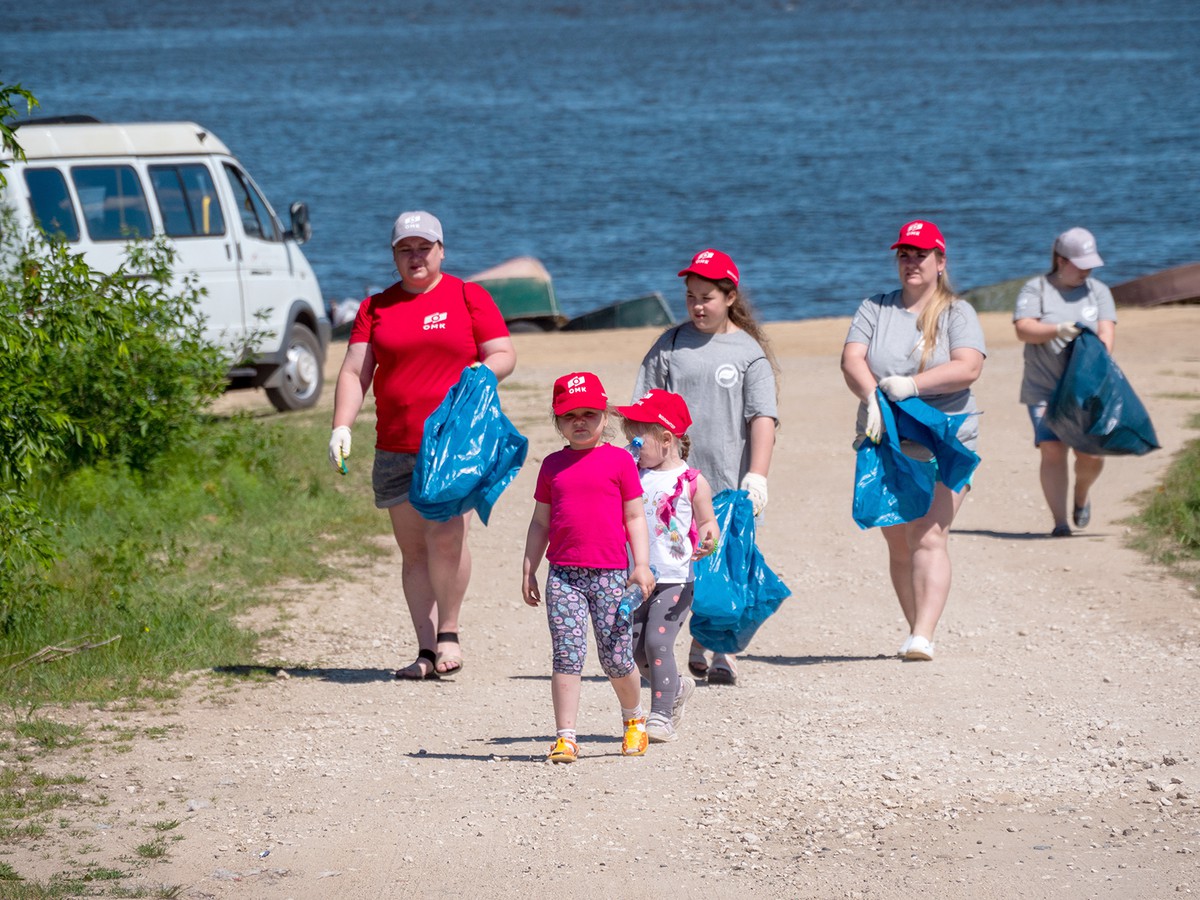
(469, 453)
(1094, 408)
(735, 591)
(890, 487)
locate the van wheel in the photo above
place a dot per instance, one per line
(303, 374)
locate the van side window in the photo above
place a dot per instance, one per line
(257, 219)
(114, 206)
(187, 199)
(51, 204)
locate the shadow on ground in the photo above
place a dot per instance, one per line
(339, 676)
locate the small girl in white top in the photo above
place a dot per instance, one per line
(683, 527)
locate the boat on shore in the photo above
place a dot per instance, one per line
(637, 312)
(1180, 284)
(998, 297)
(524, 293)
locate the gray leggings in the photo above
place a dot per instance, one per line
(656, 624)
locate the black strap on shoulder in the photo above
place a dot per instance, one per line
(674, 338)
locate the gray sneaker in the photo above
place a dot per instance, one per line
(660, 730)
(687, 687)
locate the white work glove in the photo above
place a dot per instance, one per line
(339, 447)
(1068, 331)
(756, 487)
(874, 430)
(898, 387)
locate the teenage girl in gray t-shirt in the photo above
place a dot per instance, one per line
(719, 361)
(1051, 311)
(919, 341)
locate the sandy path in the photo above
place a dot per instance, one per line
(1050, 750)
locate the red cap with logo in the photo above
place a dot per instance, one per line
(579, 390)
(660, 408)
(713, 265)
(920, 234)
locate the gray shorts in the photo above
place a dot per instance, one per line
(391, 477)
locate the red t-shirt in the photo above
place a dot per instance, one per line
(421, 343)
(587, 490)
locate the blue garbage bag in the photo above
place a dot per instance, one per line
(1094, 408)
(469, 453)
(891, 487)
(735, 590)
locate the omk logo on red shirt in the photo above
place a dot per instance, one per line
(435, 321)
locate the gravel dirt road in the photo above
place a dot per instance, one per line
(1050, 750)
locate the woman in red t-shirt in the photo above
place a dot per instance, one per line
(413, 341)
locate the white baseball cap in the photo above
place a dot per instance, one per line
(416, 223)
(1079, 247)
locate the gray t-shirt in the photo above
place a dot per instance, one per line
(1089, 304)
(726, 380)
(894, 348)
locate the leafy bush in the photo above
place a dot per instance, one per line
(93, 367)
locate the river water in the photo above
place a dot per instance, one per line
(612, 140)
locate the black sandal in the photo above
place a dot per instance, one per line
(447, 637)
(425, 655)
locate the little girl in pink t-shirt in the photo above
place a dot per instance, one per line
(588, 508)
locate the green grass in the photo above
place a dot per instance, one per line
(1168, 527)
(155, 849)
(156, 566)
(29, 800)
(49, 735)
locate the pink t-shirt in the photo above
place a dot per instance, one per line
(421, 343)
(587, 490)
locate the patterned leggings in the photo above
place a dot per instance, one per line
(574, 592)
(656, 624)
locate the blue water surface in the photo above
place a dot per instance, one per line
(612, 140)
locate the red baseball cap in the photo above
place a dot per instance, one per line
(660, 408)
(713, 265)
(579, 390)
(920, 234)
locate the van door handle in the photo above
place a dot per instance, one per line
(260, 271)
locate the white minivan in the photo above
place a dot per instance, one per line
(98, 186)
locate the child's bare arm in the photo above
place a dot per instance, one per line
(536, 541)
(708, 532)
(639, 545)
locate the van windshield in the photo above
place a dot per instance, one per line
(257, 219)
(114, 205)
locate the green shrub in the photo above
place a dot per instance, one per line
(94, 367)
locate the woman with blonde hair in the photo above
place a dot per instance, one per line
(919, 341)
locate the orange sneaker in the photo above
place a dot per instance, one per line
(564, 750)
(636, 740)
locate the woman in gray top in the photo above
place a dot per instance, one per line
(919, 341)
(1052, 309)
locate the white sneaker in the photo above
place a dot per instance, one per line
(919, 648)
(903, 651)
(660, 730)
(687, 687)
